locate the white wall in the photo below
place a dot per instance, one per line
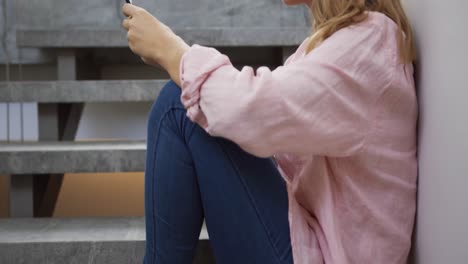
(441, 28)
(114, 121)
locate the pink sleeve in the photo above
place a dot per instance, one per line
(317, 105)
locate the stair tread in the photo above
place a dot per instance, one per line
(81, 91)
(54, 230)
(49, 146)
(212, 36)
(72, 156)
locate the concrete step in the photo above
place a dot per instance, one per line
(90, 23)
(80, 240)
(80, 91)
(219, 37)
(176, 13)
(73, 157)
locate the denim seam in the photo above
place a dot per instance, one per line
(275, 250)
(153, 183)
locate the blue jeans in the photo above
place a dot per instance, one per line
(191, 176)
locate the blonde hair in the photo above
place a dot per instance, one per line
(330, 16)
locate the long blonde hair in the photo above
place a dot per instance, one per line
(330, 16)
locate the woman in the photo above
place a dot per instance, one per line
(339, 118)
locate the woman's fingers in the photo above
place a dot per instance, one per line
(147, 37)
(129, 10)
(126, 23)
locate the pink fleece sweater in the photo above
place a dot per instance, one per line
(341, 123)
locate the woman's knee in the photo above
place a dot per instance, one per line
(170, 95)
(168, 98)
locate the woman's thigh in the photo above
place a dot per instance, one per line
(245, 202)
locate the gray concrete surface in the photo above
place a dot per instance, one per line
(106, 14)
(88, 23)
(223, 36)
(81, 91)
(79, 240)
(63, 157)
(9, 52)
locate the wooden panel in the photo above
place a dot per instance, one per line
(4, 200)
(109, 194)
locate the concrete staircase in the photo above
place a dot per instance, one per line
(80, 38)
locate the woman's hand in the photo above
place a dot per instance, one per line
(153, 41)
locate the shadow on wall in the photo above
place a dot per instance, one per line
(4, 196)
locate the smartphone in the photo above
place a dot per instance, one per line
(129, 2)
